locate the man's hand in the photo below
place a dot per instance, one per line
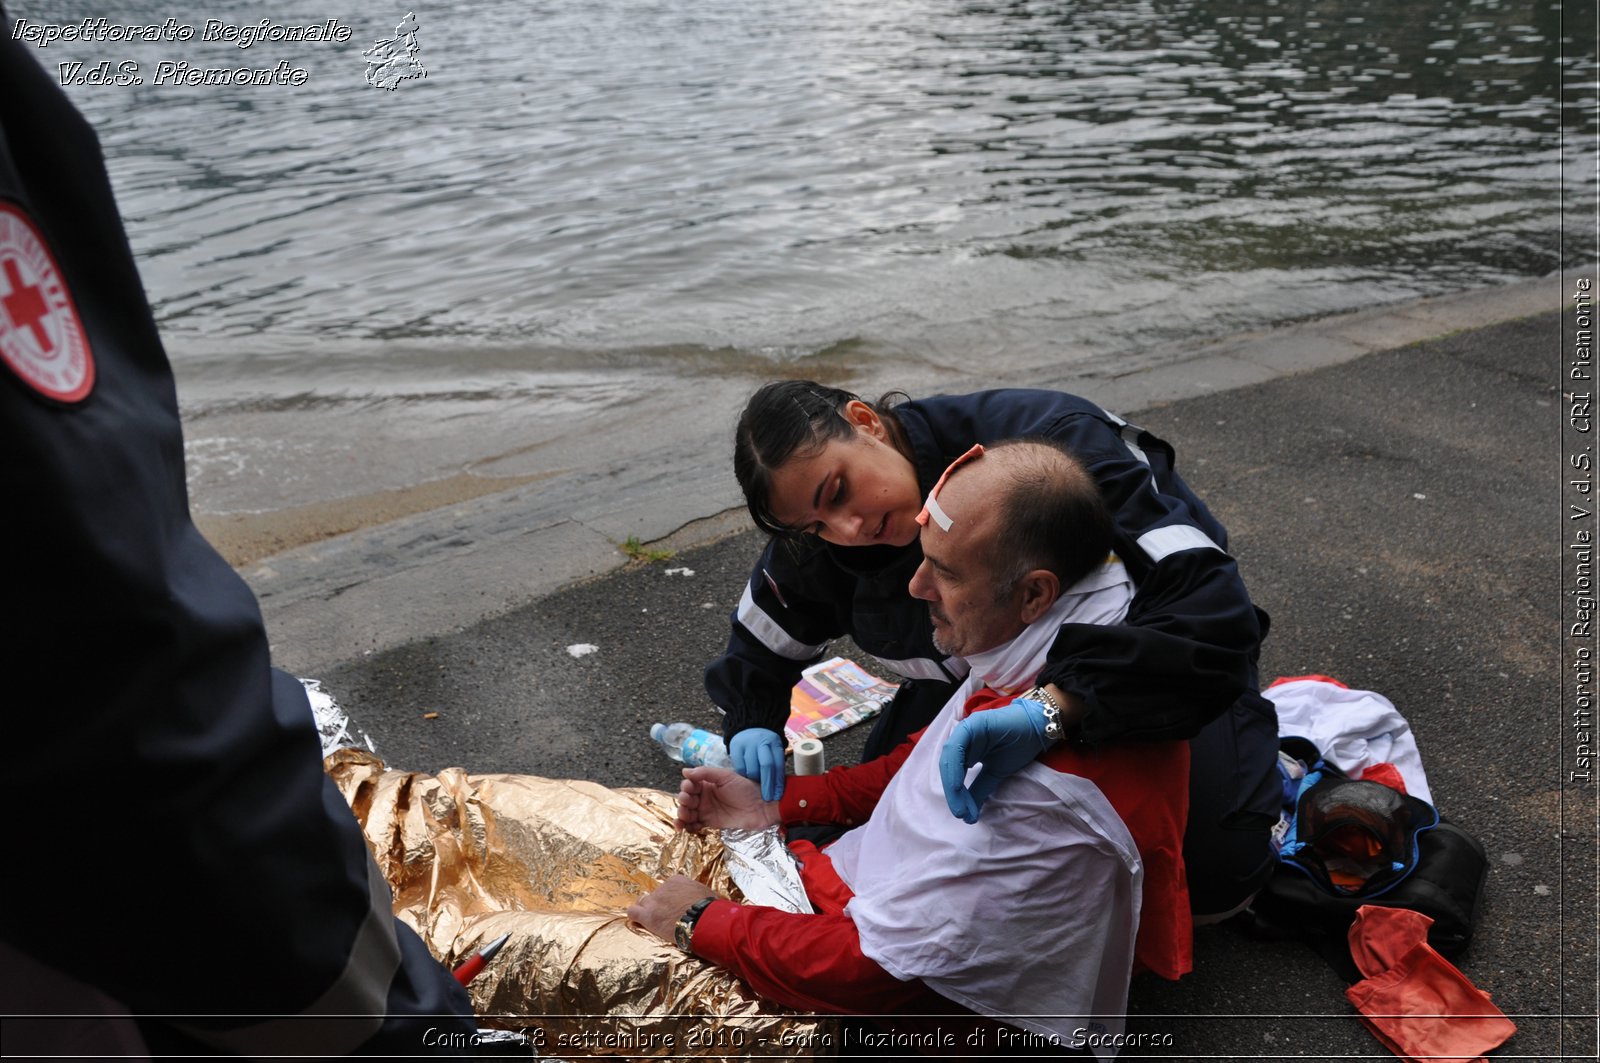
(659, 910)
(1004, 739)
(722, 800)
(757, 753)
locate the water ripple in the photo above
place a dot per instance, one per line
(645, 176)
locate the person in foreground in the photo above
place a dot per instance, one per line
(917, 909)
(839, 483)
(171, 780)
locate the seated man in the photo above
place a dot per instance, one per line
(1028, 916)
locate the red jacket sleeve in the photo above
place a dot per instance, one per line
(808, 962)
(845, 795)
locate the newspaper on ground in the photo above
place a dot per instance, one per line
(833, 695)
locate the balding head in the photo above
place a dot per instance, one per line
(1026, 521)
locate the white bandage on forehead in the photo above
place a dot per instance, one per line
(931, 508)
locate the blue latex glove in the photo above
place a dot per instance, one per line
(757, 754)
(1005, 739)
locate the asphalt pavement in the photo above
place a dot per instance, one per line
(1399, 515)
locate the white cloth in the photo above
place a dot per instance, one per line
(1353, 729)
(1028, 915)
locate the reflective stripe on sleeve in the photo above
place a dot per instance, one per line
(1129, 433)
(1143, 458)
(1175, 538)
(771, 634)
(352, 1009)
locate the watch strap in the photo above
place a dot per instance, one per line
(683, 932)
(1053, 731)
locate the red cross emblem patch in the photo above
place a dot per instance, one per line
(41, 338)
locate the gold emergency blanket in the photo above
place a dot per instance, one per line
(555, 863)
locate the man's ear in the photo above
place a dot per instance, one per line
(1040, 588)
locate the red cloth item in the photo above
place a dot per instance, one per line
(1147, 784)
(1384, 774)
(1413, 999)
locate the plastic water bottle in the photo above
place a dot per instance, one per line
(688, 744)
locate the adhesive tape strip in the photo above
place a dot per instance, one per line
(808, 757)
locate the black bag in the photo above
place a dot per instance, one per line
(1427, 864)
(1446, 885)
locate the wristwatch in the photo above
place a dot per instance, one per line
(1052, 713)
(683, 933)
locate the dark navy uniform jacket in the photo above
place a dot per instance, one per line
(173, 840)
(1184, 655)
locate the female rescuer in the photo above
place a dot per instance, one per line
(838, 483)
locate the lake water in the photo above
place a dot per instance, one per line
(582, 195)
